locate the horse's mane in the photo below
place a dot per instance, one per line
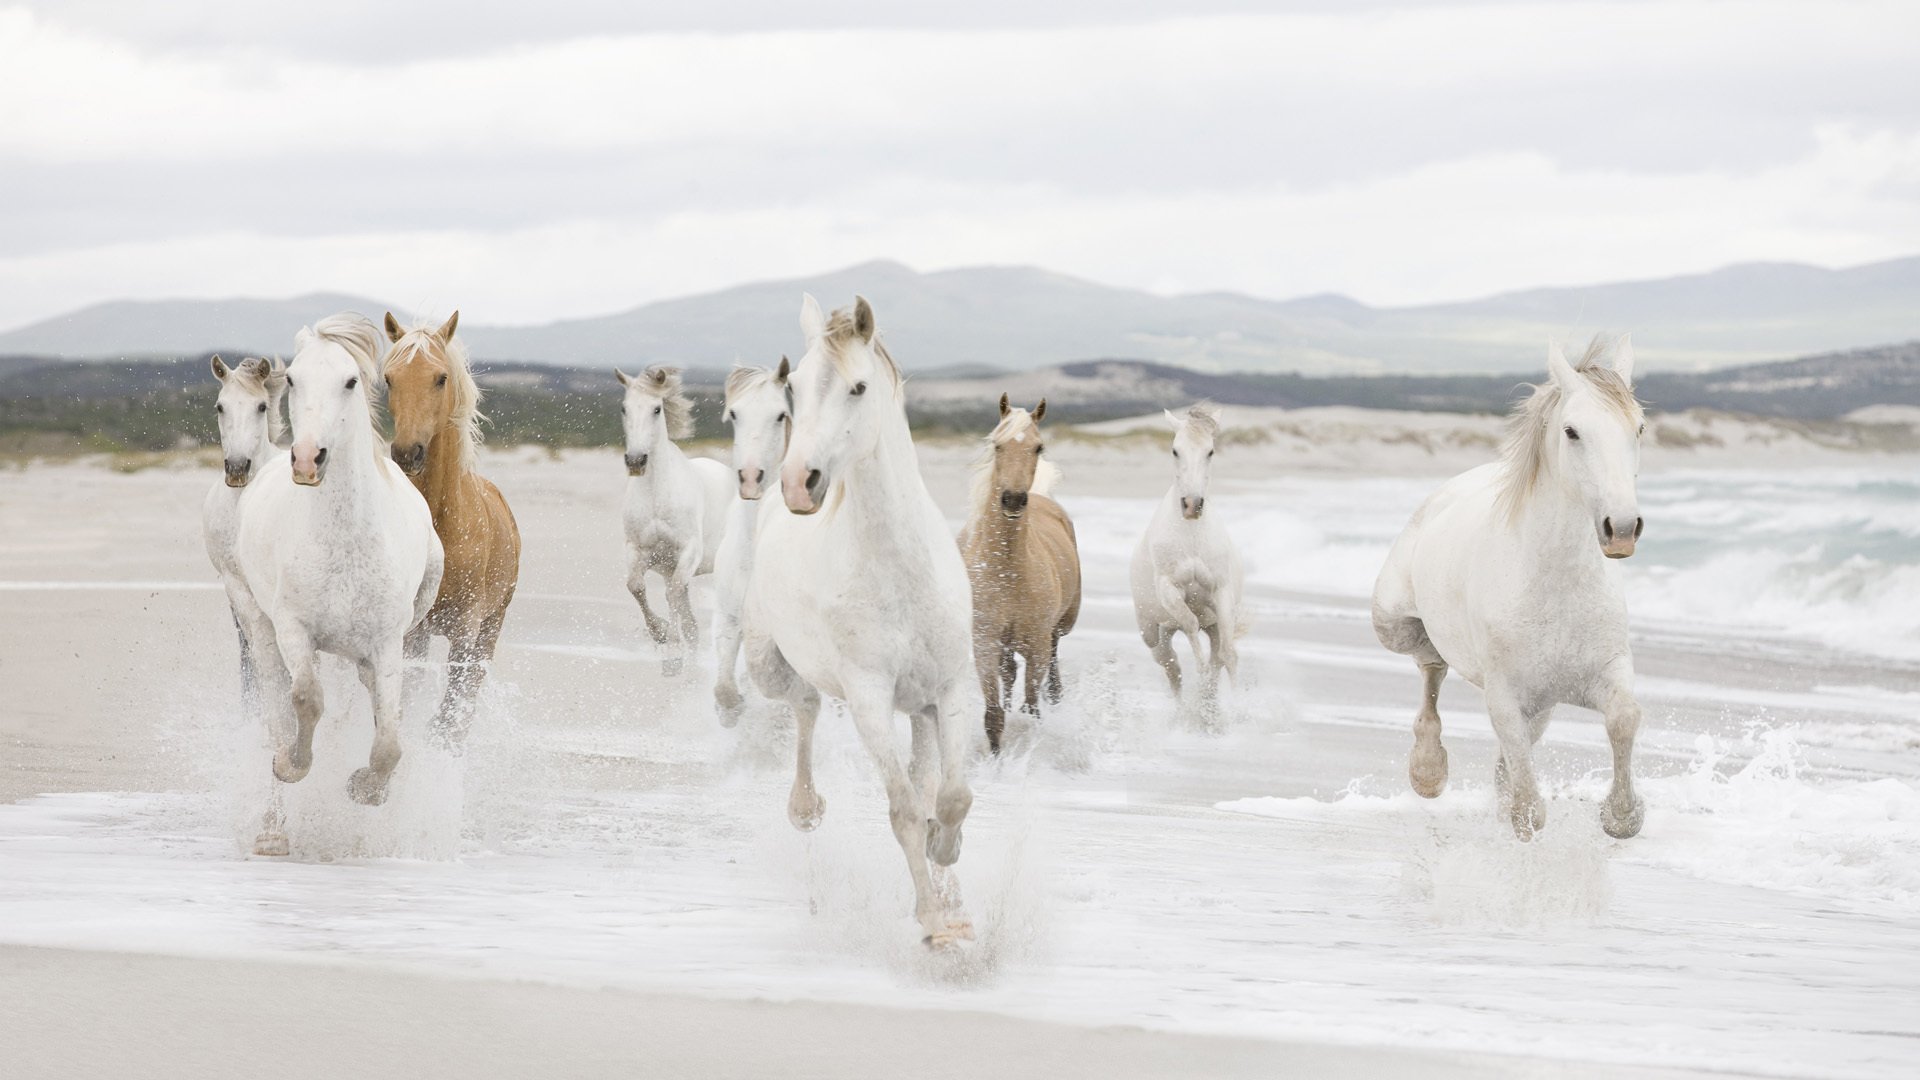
(1203, 418)
(1524, 455)
(842, 331)
(1013, 427)
(363, 341)
(665, 384)
(744, 380)
(463, 389)
(267, 377)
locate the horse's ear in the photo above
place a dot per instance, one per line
(1004, 407)
(445, 333)
(1172, 420)
(786, 369)
(622, 376)
(813, 322)
(219, 366)
(394, 331)
(1563, 374)
(1623, 358)
(257, 366)
(1040, 410)
(863, 318)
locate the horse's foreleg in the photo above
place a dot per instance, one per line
(993, 663)
(805, 807)
(942, 843)
(469, 654)
(656, 626)
(273, 697)
(1159, 639)
(1514, 730)
(1054, 690)
(381, 674)
(292, 761)
(1624, 812)
(1427, 765)
(727, 699)
(1039, 667)
(680, 602)
(872, 709)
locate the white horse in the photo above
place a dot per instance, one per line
(758, 410)
(337, 555)
(858, 592)
(253, 439)
(1186, 569)
(1505, 575)
(676, 508)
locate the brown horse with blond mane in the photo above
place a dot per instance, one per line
(1024, 565)
(435, 404)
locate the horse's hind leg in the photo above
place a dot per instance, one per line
(1040, 660)
(1427, 765)
(469, 651)
(1624, 812)
(1514, 728)
(924, 770)
(381, 674)
(776, 679)
(292, 761)
(994, 662)
(727, 699)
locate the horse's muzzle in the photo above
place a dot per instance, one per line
(1618, 544)
(636, 464)
(309, 465)
(754, 485)
(1191, 509)
(1013, 503)
(804, 496)
(239, 472)
(411, 459)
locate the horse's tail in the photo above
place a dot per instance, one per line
(1046, 477)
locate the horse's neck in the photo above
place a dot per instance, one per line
(443, 482)
(884, 493)
(354, 478)
(996, 531)
(1555, 527)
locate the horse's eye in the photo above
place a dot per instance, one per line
(859, 388)
(781, 419)
(656, 410)
(1642, 431)
(1573, 435)
(220, 408)
(1038, 450)
(353, 382)
(289, 382)
(441, 379)
(1209, 453)
(729, 416)
(262, 408)
(1176, 455)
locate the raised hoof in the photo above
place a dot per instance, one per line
(368, 787)
(947, 938)
(288, 771)
(1428, 772)
(805, 810)
(1623, 826)
(270, 845)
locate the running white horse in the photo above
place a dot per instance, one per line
(337, 554)
(758, 410)
(1186, 569)
(676, 507)
(1505, 575)
(253, 439)
(858, 592)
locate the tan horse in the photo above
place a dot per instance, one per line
(436, 424)
(1024, 565)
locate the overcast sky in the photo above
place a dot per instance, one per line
(527, 162)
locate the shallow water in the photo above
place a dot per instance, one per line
(1123, 866)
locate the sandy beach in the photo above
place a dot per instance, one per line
(606, 884)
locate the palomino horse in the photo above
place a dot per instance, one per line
(435, 404)
(676, 505)
(1186, 569)
(253, 434)
(1023, 564)
(337, 554)
(759, 412)
(858, 592)
(1505, 575)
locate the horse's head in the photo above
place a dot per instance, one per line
(654, 410)
(429, 388)
(1193, 440)
(758, 412)
(329, 391)
(845, 390)
(249, 394)
(1016, 448)
(1585, 428)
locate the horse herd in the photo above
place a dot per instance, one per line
(330, 538)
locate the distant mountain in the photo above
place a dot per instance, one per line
(1018, 318)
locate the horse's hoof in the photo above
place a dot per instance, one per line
(946, 939)
(727, 705)
(1428, 772)
(1623, 826)
(943, 844)
(1528, 818)
(271, 845)
(368, 787)
(287, 770)
(806, 810)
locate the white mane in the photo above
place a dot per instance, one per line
(1524, 456)
(363, 342)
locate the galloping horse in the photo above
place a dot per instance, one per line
(1186, 569)
(1023, 564)
(435, 404)
(676, 508)
(759, 412)
(337, 554)
(253, 432)
(858, 592)
(1505, 575)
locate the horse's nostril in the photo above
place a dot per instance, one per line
(321, 457)
(1639, 524)
(759, 475)
(1606, 527)
(743, 475)
(813, 479)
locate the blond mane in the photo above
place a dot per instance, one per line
(1523, 457)
(1013, 427)
(463, 390)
